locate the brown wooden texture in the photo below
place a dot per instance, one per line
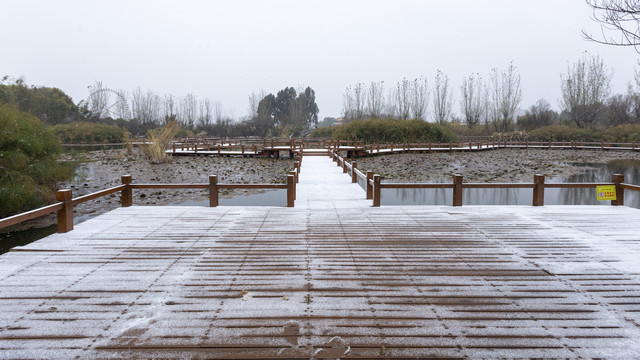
(457, 190)
(65, 215)
(618, 179)
(538, 190)
(213, 190)
(29, 215)
(126, 196)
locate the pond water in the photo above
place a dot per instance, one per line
(277, 197)
(596, 173)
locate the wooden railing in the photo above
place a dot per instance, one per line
(373, 185)
(252, 146)
(65, 201)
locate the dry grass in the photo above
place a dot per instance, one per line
(158, 141)
(128, 141)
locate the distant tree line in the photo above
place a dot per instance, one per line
(492, 105)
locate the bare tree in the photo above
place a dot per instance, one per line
(354, 102)
(442, 98)
(402, 99)
(205, 116)
(188, 110)
(419, 98)
(169, 108)
(375, 99)
(506, 95)
(472, 102)
(254, 100)
(620, 16)
(585, 88)
(218, 113)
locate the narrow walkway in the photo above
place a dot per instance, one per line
(331, 278)
(323, 185)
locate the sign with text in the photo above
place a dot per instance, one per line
(606, 192)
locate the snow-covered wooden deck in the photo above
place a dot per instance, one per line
(331, 278)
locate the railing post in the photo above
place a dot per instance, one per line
(65, 215)
(376, 190)
(354, 176)
(344, 167)
(457, 190)
(213, 190)
(126, 196)
(290, 191)
(369, 187)
(293, 173)
(618, 179)
(538, 190)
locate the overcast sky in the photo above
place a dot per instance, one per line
(224, 50)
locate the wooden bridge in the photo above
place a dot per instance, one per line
(332, 277)
(263, 147)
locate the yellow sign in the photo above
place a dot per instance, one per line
(606, 192)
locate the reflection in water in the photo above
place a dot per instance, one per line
(595, 173)
(277, 197)
(21, 238)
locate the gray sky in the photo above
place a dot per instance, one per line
(224, 50)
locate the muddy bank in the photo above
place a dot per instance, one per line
(501, 165)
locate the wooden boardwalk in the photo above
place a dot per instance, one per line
(331, 278)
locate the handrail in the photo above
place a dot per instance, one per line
(64, 207)
(97, 194)
(30, 215)
(630, 187)
(373, 185)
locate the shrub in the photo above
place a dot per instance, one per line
(622, 133)
(29, 168)
(323, 132)
(394, 131)
(563, 133)
(88, 133)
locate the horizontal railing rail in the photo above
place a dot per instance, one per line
(65, 204)
(373, 184)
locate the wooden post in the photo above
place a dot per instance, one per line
(213, 190)
(369, 187)
(354, 176)
(126, 196)
(376, 190)
(174, 147)
(290, 191)
(618, 179)
(65, 215)
(538, 190)
(293, 173)
(344, 167)
(296, 166)
(457, 190)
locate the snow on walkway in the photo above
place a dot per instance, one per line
(330, 278)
